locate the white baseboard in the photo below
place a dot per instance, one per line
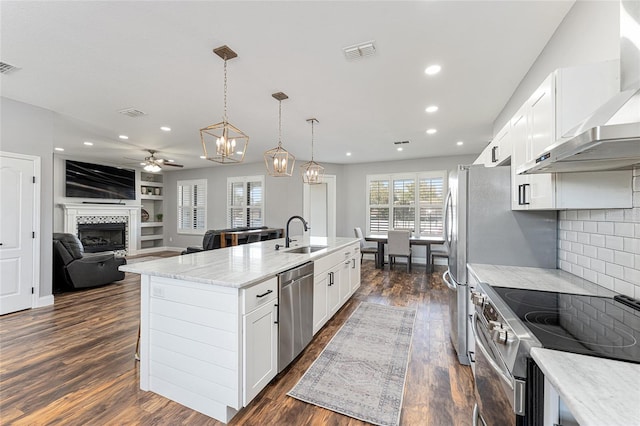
(44, 301)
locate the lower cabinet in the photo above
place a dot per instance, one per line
(260, 354)
(335, 280)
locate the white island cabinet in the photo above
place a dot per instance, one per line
(208, 320)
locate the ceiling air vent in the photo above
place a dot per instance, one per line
(132, 112)
(7, 68)
(360, 50)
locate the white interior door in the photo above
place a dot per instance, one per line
(17, 231)
(319, 207)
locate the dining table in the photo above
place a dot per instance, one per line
(414, 240)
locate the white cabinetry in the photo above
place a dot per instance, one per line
(498, 152)
(564, 98)
(260, 349)
(336, 277)
(151, 224)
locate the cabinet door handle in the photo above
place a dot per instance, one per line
(264, 294)
(330, 279)
(277, 321)
(353, 266)
(494, 154)
(524, 194)
(519, 195)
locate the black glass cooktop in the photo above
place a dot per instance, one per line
(589, 325)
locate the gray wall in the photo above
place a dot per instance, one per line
(588, 34)
(283, 196)
(29, 130)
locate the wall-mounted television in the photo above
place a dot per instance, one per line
(86, 180)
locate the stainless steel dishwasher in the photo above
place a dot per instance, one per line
(295, 312)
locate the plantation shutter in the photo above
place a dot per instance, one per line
(192, 204)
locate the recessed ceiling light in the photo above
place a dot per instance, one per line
(431, 108)
(459, 143)
(203, 157)
(165, 129)
(399, 148)
(59, 149)
(431, 131)
(348, 154)
(87, 143)
(432, 69)
(123, 137)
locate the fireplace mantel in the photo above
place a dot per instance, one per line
(130, 214)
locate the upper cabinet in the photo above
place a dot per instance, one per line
(565, 97)
(498, 152)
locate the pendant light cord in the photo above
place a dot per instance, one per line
(279, 123)
(225, 90)
(312, 140)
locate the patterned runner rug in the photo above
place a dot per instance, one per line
(361, 373)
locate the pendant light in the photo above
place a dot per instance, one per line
(278, 160)
(223, 142)
(312, 172)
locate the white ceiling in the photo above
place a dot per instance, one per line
(86, 60)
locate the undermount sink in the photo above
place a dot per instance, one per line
(306, 249)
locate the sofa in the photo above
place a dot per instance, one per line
(74, 269)
(211, 239)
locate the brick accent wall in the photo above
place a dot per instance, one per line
(603, 246)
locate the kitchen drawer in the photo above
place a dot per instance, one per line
(259, 294)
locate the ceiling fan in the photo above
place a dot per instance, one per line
(154, 164)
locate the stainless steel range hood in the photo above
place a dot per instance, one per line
(610, 138)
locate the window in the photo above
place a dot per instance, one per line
(245, 201)
(400, 201)
(192, 206)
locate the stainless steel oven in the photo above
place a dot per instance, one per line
(508, 384)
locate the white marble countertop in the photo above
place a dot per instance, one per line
(597, 391)
(536, 279)
(238, 266)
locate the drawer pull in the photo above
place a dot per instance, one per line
(264, 294)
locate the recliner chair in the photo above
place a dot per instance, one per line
(74, 269)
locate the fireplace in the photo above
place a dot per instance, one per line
(97, 237)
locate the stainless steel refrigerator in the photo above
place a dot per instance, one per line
(480, 227)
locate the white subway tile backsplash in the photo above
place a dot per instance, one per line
(562, 215)
(597, 215)
(590, 275)
(598, 265)
(572, 236)
(637, 230)
(605, 228)
(564, 245)
(637, 261)
(590, 227)
(577, 270)
(614, 270)
(632, 215)
(597, 240)
(623, 229)
(590, 251)
(583, 238)
(577, 248)
(632, 245)
(577, 225)
(585, 261)
(572, 258)
(621, 286)
(613, 242)
(571, 214)
(564, 225)
(632, 275)
(562, 255)
(605, 281)
(584, 215)
(614, 215)
(623, 258)
(605, 254)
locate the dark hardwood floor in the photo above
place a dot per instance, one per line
(73, 363)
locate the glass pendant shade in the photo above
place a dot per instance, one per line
(152, 168)
(279, 161)
(223, 142)
(312, 172)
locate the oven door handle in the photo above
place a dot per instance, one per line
(449, 284)
(485, 352)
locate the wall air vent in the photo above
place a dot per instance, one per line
(400, 142)
(360, 50)
(6, 68)
(132, 112)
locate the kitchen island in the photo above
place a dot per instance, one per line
(209, 320)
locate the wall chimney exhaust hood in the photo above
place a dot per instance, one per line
(609, 139)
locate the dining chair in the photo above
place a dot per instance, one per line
(438, 250)
(399, 246)
(364, 247)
